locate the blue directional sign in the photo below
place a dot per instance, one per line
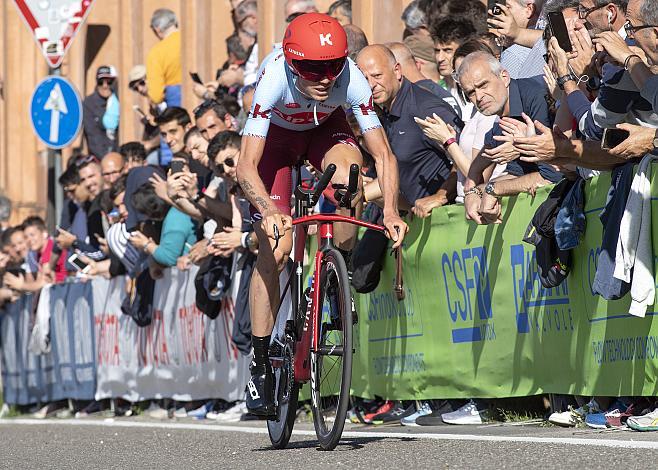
(56, 112)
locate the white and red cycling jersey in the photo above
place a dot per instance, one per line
(278, 100)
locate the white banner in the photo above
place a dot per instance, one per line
(182, 354)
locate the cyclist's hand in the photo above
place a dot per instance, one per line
(277, 219)
(396, 229)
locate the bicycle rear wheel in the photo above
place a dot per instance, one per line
(286, 393)
(331, 364)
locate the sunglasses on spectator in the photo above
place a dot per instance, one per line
(229, 162)
(318, 70)
(292, 16)
(631, 30)
(134, 86)
(107, 81)
(583, 12)
(84, 159)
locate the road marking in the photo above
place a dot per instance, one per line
(347, 434)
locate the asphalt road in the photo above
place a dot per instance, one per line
(135, 443)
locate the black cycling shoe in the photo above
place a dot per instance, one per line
(260, 392)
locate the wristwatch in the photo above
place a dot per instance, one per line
(251, 241)
(490, 189)
(655, 140)
(564, 79)
(198, 197)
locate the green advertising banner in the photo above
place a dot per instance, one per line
(476, 321)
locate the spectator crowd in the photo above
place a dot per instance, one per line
(478, 105)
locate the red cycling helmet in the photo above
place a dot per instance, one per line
(315, 46)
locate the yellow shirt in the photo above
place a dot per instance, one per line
(163, 66)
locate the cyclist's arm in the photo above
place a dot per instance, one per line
(387, 167)
(250, 154)
(270, 88)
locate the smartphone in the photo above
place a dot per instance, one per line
(518, 118)
(195, 78)
(80, 265)
(495, 9)
(139, 111)
(613, 137)
(558, 28)
(177, 166)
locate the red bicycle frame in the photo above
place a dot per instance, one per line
(309, 339)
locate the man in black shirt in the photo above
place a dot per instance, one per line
(426, 179)
(89, 171)
(100, 140)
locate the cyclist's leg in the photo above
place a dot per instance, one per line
(264, 293)
(334, 142)
(275, 173)
(343, 156)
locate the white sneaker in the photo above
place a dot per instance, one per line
(232, 415)
(423, 410)
(180, 412)
(574, 416)
(647, 422)
(45, 412)
(467, 414)
(64, 413)
(4, 411)
(154, 411)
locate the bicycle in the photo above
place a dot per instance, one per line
(312, 341)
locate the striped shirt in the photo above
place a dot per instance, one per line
(619, 100)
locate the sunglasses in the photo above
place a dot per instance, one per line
(219, 167)
(318, 70)
(83, 160)
(134, 86)
(107, 81)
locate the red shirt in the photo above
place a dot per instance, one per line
(60, 267)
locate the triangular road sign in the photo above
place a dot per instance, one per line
(54, 24)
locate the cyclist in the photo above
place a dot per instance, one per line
(297, 111)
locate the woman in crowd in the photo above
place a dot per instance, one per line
(178, 229)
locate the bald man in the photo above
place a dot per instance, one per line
(411, 71)
(426, 177)
(113, 166)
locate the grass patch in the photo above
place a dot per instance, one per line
(512, 416)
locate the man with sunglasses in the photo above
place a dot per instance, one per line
(101, 114)
(297, 112)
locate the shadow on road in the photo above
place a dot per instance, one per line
(347, 444)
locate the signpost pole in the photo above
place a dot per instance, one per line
(55, 194)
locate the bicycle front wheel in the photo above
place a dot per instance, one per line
(331, 364)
